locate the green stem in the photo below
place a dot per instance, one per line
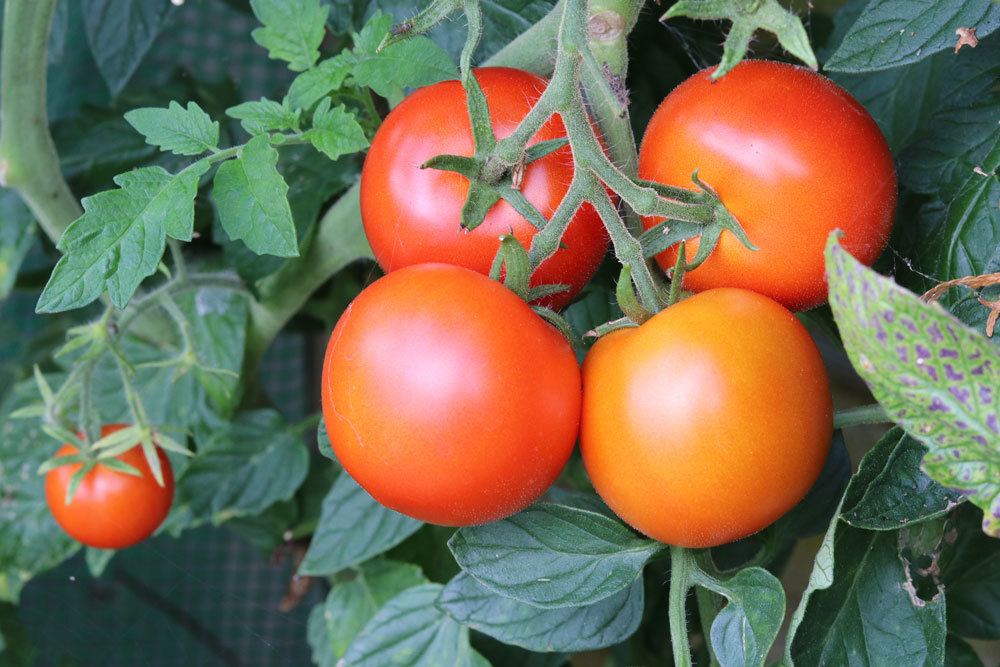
(681, 566)
(28, 159)
(864, 414)
(677, 277)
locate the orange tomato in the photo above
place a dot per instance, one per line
(793, 156)
(709, 421)
(110, 509)
(447, 398)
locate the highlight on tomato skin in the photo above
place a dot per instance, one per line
(110, 509)
(447, 398)
(793, 157)
(413, 215)
(708, 422)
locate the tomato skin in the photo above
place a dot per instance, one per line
(110, 510)
(447, 398)
(709, 421)
(412, 215)
(793, 156)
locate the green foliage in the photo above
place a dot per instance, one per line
(17, 236)
(553, 556)
(353, 527)
(293, 30)
(183, 131)
(335, 131)
(566, 629)
(742, 633)
(889, 33)
(265, 115)
(120, 32)
(120, 238)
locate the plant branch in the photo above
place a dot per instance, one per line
(28, 159)
(681, 565)
(864, 414)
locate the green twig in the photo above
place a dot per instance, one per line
(858, 416)
(681, 566)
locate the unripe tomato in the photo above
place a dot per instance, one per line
(709, 421)
(110, 509)
(413, 215)
(447, 398)
(793, 156)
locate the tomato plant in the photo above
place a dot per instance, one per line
(413, 215)
(110, 509)
(472, 415)
(515, 227)
(699, 435)
(793, 156)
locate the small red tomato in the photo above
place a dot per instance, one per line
(413, 215)
(110, 509)
(709, 421)
(793, 156)
(447, 398)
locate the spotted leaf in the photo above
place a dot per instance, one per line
(936, 377)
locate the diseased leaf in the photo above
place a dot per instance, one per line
(120, 33)
(861, 607)
(353, 527)
(182, 131)
(336, 131)
(890, 33)
(264, 115)
(553, 556)
(293, 30)
(579, 628)
(252, 200)
(409, 631)
(120, 238)
(890, 490)
(935, 377)
(243, 468)
(333, 624)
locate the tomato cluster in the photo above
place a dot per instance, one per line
(450, 400)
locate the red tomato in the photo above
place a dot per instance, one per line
(110, 509)
(793, 156)
(709, 421)
(447, 398)
(413, 215)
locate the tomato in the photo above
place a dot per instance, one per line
(709, 421)
(110, 509)
(447, 398)
(793, 156)
(413, 215)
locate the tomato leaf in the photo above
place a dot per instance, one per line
(243, 467)
(336, 131)
(252, 199)
(579, 628)
(265, 115)
(120, 238)
(890, 33)
(97, 560)
(839, 609)
(349, 606)
(970, 572)
(30, 540)
(120, 33)
(315, 83)
(410, 630)
(935, 377)
(17, 237)
(743, 632)
(352, 528)
(414, 62)
(182, 131)
(293, 30)
(890, 490)
(553, 556)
